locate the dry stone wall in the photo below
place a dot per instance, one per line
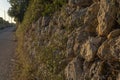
(87, 32)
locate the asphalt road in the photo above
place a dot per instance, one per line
(7, 49)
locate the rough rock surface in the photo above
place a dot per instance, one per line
(90, 47)
(106, 12)
(90, 20)
(87, 32)
(110, 49)
(113, 34)
(74, 69)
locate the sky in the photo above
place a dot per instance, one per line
(4, 6)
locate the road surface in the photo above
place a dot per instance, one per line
(7, 49)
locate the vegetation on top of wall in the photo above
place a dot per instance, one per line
(39, 8)
(21, 8)
(51, 6)
(17, 9)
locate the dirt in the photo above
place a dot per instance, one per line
(7, 49)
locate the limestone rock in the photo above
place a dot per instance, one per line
(113, 34)
(103, 51)
(78, 69)
(93, 72)
(76, 47)
(76, 18)
(90, 20)
(80, 38)
(106, 17)
(70, 44)
(118, 78)
(71, 32)
(73, 71)
(110, 50)
(90, 47)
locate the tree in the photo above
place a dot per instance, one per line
(18, 8)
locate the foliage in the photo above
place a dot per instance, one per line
(37, 8)
(51, 7)
(18, 8)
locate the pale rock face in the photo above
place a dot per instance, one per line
(90, 20)
(114, 33)
(118, 78)
(80, 38)
(90, 47)
(76, 47)
(106, 17)
(98, 55)
(95, 71)
(74, 69)
(76, 18)
(103, 51)
(110, 50)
